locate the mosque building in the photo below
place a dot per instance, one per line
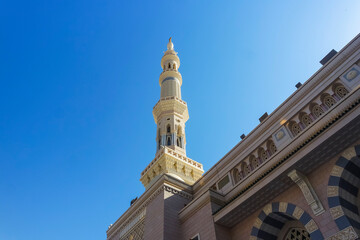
(296, 176)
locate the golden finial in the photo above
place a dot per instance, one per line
(170, 39)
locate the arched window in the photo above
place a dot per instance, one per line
(328, 100)
(169, 66)
(174, 66)
(317, 111)
(294, 128)
(168, 141)
(340, 91)
(168, 129)
(305, 119)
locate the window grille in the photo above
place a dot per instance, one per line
(297, 234)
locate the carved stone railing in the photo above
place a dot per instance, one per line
(174, 154)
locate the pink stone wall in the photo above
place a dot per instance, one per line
(173, 204)
(201, 222)
(319, 180)
(154, 219)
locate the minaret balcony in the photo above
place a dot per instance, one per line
(173, 163)
(170, 105)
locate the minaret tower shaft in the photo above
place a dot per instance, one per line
(170, 115)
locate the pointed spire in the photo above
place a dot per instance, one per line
(170, 45)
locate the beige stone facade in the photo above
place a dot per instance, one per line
(295, 176)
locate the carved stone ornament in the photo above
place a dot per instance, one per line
(333, 191)
(311, 226)
(336, 212)
(345, 234)
(298, 212)
(308, 192)
(257, 223)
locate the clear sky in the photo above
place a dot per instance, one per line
(79, 79)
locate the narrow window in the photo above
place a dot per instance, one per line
(168, 141)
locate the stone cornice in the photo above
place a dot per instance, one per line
(317, 83)
(199, 202)
(344, 108)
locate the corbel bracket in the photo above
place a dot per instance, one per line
(308, 191)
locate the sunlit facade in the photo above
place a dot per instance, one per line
(295, 176)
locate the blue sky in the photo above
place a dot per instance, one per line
(79, 79)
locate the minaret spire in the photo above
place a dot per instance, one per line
(170, 115)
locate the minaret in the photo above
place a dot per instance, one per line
(170, 115)
(171, 119)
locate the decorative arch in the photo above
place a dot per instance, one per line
(254, 162)
(327, 100)
(262, 154)
(179, 131)
(343, 190)
(271, 147)
(273, 217)
(339, 90)
(245, 168)
(316, 110)
(305, 119)
(236, 175)
(294, 128)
